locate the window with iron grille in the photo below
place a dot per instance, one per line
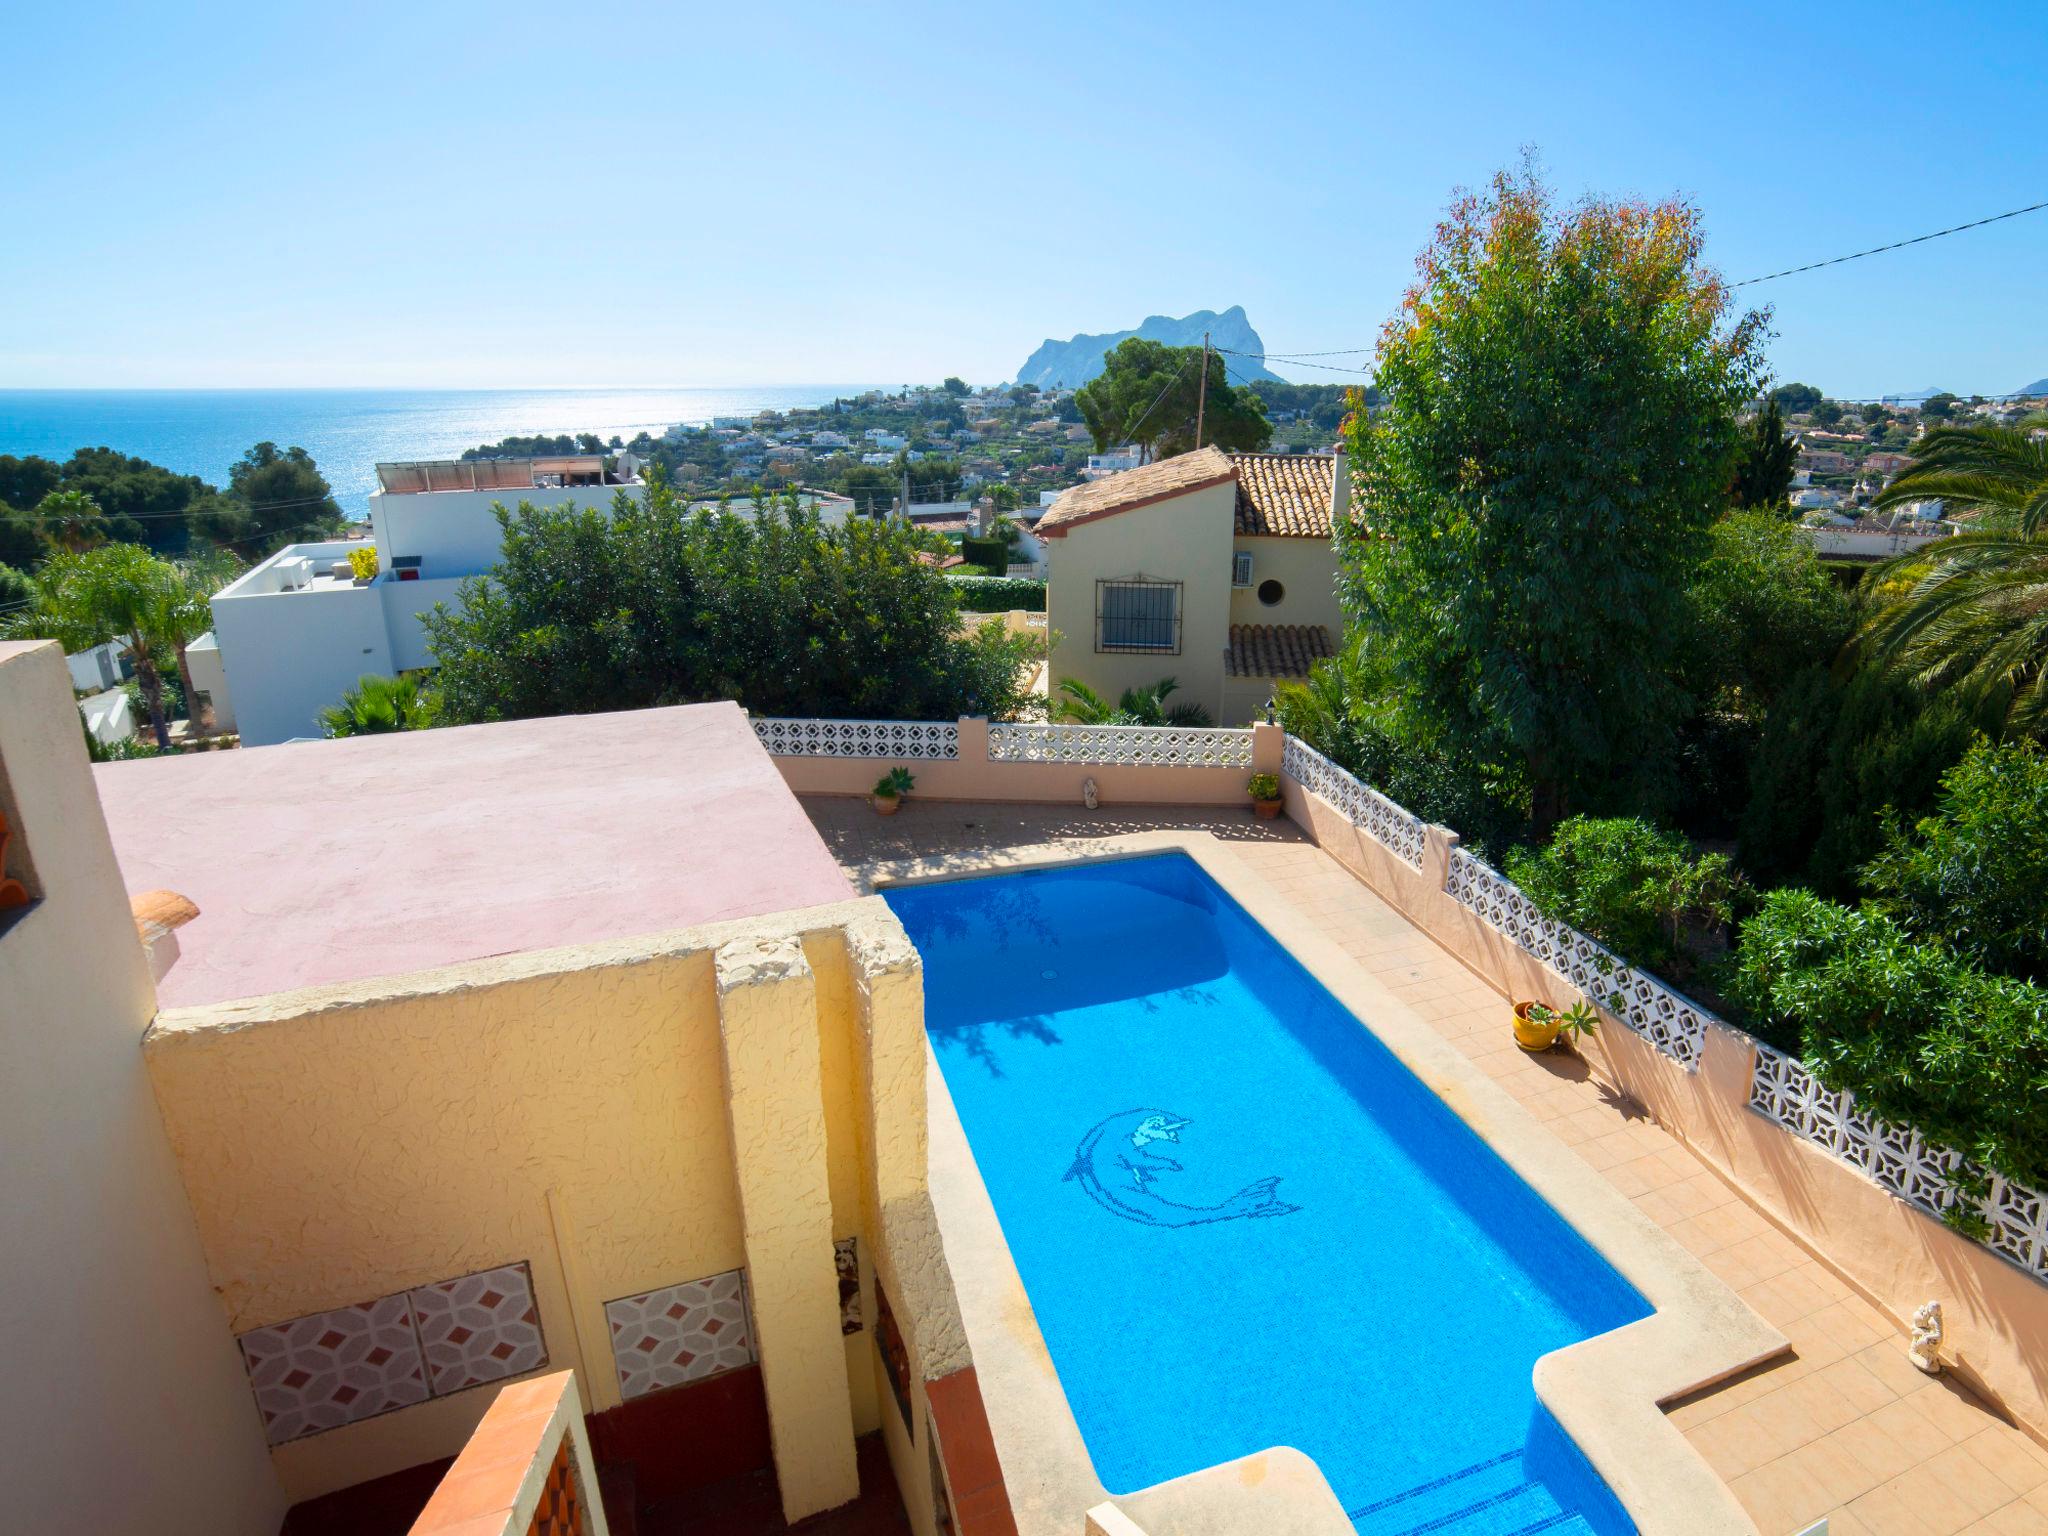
(1137, 616)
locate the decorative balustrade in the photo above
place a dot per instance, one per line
(1390, 825)
(1898, 1158)
(1129, 746)
(1668, 1020)
(900, 740)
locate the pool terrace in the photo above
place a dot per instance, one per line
(1842, 1427)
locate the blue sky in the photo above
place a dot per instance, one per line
(523, 195)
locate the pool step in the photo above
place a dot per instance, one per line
(1488, 1498)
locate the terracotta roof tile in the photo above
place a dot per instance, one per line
(1285, 494)
(1135, 487)
(1276, 650)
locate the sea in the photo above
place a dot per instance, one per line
(350, 431)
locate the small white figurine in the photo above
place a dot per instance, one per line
(1088, 793)
(1926, 1346)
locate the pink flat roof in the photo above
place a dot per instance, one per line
(336, 861)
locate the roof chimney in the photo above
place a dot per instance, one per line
(1340, 487)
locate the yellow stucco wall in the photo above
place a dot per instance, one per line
(1185, 539)
(122, 1404)
(1307, 568)
(566, 1108)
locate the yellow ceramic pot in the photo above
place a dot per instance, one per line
(1530, 1034)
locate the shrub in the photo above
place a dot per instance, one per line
(1263, 786)
(1976, 872)
(653, 603)
(1634, 887)
(1921, 1036)
(990, 554)
(998, 594)
(362, 563)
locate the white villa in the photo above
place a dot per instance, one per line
(293, 634)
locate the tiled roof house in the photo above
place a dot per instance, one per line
(1215, 569)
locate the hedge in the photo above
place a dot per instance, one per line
(998, 594)
(993, 553)
(1923, 1037)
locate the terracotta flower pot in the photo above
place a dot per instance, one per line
(885, 805)
(1532, 1034)
(1267, 809)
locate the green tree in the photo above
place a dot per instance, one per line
(1150, 394)
(72, 521)
(1938, 407)
(657, 604)
(1971, 612)
(1975, 873)
(955, 386)
(116, 592)
(1638, 889)
(1826, 414)
(1763, 611)
(376, 705)
(1559, 431)
(144, 503)
(1796, 397)
(1763, 474)
(275, 496)
(22, 542)
(17, 591)
(1144, 705)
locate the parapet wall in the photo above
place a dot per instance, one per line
(1698, 1077)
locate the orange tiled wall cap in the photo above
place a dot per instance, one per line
(161, 911)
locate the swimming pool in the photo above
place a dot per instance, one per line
(1241, 1221)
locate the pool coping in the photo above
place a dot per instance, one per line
(1604, 1391)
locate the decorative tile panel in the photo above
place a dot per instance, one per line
(846, 1260)
(1145, 746)
(1392, 826)
(906, 740)
(483, 1327)
(680, 1333)
(1671, 1022)
(334, 1368)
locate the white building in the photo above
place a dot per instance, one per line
(295, 633)
(884, 439)
(1114, 462)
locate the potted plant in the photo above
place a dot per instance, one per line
(1264, 788)
(1538, 1026)
(890, 790)
(362, 564)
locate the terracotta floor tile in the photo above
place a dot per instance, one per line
(2006, 1454)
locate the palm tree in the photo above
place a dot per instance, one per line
(192, 616)
(376, 705)
(114, 592)
(2000, 473)
(1971, 612)
(71, 520)
(1137, 706)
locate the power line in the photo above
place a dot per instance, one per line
(1875, 250)
(1327, 367)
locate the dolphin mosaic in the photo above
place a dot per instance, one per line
(1116, 1165)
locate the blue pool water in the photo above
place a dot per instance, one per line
(1242, 1223)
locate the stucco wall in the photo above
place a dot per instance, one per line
(456, 533)
(1307, 568)
(972, 776)
(566, 1107)
(289, 655)
(1898, 1257)
(1185, 539)
(123, 1408)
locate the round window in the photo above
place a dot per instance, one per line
(1270, 592)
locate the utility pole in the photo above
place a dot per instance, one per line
(1202, 397)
